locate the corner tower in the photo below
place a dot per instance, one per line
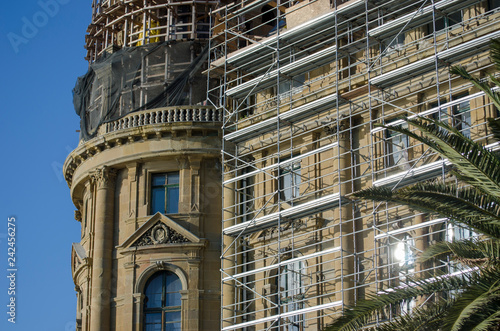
(145, 178)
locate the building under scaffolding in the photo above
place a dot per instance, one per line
(303, 85)
(145, 178)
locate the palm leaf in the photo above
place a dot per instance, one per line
(475, 164)
(495, 52)
(494, 124)
(468, 206)
(423, 318)
(480, 84)
(471, 252)
(362, 314)
(479, 301)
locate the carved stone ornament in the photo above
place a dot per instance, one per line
(286, 225)
(78, 215)
(183, 162)
(160, 234)
(104, 177)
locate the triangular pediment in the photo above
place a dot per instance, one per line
(158, 230)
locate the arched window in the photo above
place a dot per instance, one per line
(162, 305)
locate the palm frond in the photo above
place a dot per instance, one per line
(423, 318)
(480, 84)
(489, 323)
(494, 125)
(478, 166)
(495, 52)
(364, 311)
(467, 205)
(479, 301)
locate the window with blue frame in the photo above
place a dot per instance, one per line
(165, 193)
(162, 303)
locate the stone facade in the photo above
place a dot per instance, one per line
(146, 176)
(306, 99)
(123, 244)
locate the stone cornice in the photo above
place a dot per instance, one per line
(97, 145)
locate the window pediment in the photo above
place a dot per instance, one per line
(160, 234)
(159, 230)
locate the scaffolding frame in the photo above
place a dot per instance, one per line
(302, 94)
(128, 23)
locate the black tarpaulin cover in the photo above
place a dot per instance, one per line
(138, 78)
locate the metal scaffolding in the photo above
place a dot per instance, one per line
(303, 85)
(128, 23)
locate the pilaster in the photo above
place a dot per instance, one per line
(104, 183)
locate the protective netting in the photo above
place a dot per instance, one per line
(139, 78)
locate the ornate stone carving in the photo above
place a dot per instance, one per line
(104, 177)
(160, 234)
(183, 162)
(78, 216)
(286, 225)
(332, 128)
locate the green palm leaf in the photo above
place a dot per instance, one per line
(480, 84)
(475, 164)
(479, 301)
(365, 310)
(471, 252)
(424, 318)
(477, 211)
(494, 125)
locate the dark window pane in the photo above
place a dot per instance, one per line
(173, 299)
(158, 200)
(172, 178)
(454, 18)
(153, 292)
(492, 4)
(153, 322)
(440, 24)
(167, 285)
(165, 193)
(173, 320)
(173, 327)
(173, 283)
(158, 180)
(173, 200)
(173, 316)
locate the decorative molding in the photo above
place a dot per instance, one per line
(104, 177)
(78, 216)
(78, 213)
(285, 225)
(183, 162)
(332, 128)
(160, 234)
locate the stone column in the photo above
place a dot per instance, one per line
(185, 184)
(138, 300)
(228, 258)
(194, 300)
(104, 183)
(345, 267)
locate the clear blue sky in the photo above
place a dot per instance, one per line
(40, 64)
